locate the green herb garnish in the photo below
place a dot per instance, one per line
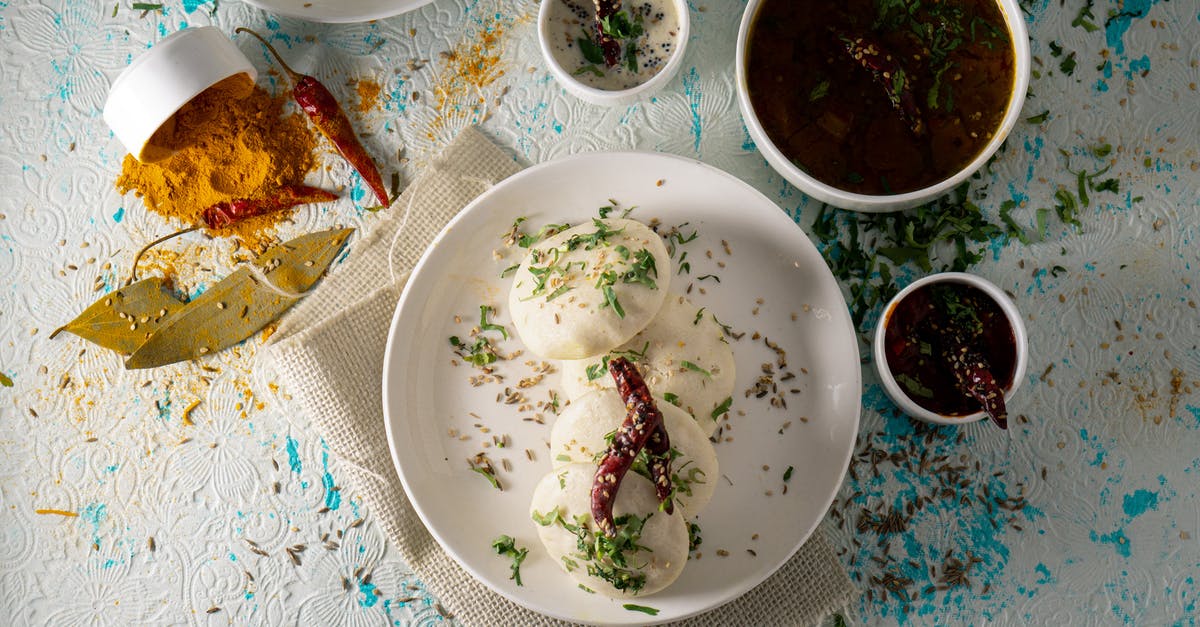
(787, 474)
(641, 608)
(484, 325)
(819, 91)
(722, 408)
(592, 52)
(505, 545)
(693, 367)
(484, 468)
(1039, 118)
(671, 398)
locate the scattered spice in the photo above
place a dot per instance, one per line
(231, 141)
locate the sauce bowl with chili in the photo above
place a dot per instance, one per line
(648, 58)
(880, 105)
(908, 357)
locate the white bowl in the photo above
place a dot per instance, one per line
(892, 387)
(160, 81)
(612, 98)
(892, 202)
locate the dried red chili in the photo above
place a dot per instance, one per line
(329, 118)
(227, 213)
(605, 9)
(642, 428)
(230, 212)
(889, 74)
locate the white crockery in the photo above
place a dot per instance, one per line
(166, 77)
(892, 387)
(891, 202)
(804, 312)
(608, 97)
(339, 11)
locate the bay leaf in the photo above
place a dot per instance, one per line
(124, 319)
(241, 304)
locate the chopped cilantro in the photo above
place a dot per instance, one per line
(641, 608)
(671, 398)
(691, 366)
(505, 545)
(787, 474)
(484, 325)
(1039, 118)
(819, 91)
(722, 408)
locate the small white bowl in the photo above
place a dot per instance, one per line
(612, 98)
(891, 202)
(892, 387)
(160, 81)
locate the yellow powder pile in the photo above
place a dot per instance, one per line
(233, 141)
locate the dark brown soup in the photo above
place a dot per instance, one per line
(915, 347)
(880, 96)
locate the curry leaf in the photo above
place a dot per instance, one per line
(242, 303)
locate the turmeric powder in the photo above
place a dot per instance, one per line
(228, 147)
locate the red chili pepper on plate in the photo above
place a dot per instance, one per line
(329, 118)
(226, 213)
(642, 428)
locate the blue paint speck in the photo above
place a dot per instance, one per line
(1139, 502)
(293, 452)
(691, 88)
(333, 498)
(119, 215)
(1117, 539)
(369, 597)
(1045, 572)
(1116, 26)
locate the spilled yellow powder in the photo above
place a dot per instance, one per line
(229, 148)
(368, 95)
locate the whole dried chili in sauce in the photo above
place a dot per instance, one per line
(605, 9)
(642, 428)
(972, 372)
(888, 72)
(329, 118)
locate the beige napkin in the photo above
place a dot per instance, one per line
(329, 355)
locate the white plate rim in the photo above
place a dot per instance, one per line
(336, 16)
(390, 356)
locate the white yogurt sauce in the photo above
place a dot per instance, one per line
(569, 19)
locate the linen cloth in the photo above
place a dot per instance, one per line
(329, 352)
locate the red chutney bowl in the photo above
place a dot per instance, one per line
(923, 388)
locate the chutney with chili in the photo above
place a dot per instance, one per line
(914, 342)
(880, 96)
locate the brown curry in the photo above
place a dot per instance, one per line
(880, 96)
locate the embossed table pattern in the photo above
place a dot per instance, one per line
(117, 510)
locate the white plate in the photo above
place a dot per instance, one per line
(338, 11)
(424, 396)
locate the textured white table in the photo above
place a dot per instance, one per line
(1108, 527)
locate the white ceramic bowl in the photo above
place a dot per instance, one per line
(892, 202)
(612, 98)
(892, 387)
(166, 77)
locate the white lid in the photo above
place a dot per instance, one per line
(166, 77)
